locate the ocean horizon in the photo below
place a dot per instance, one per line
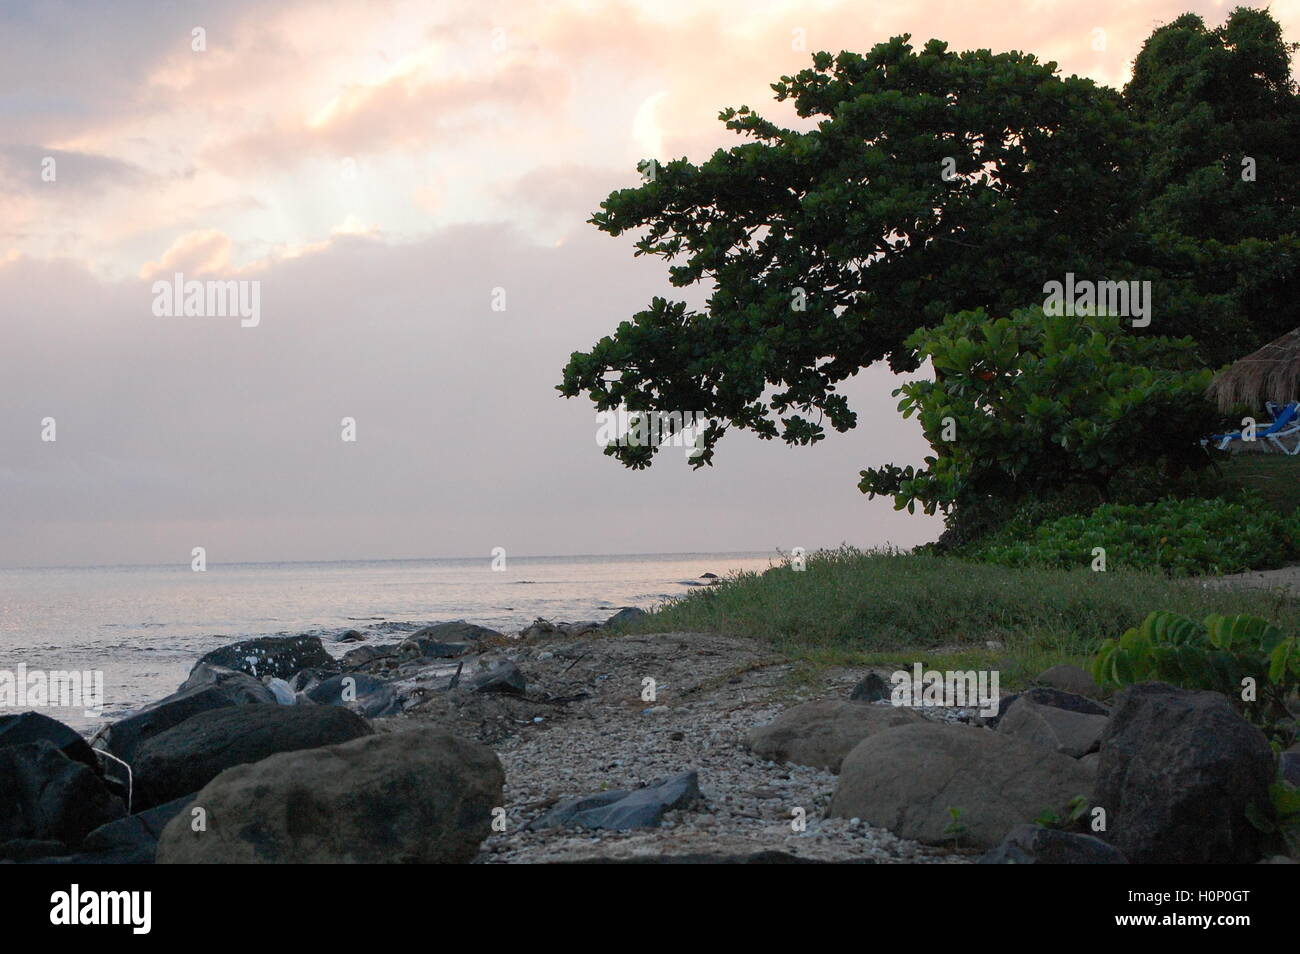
(145, 625)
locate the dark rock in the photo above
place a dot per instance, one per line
(420, 796)
(505, 676)
(239, 686)
(351, 636)
(31, 849)
(1035, 845)
(33, 726)
(307, 679)
(871, 689)
(371, 697)
(458, 631)
(638, 808)
(628, 614)
(49, 797)
(362, 655)
(1179, 772)
(124, 737)
(277, 656)
(1046, 696)
(1289, 766)
(188, 756)
(134, 839)
(419, 647)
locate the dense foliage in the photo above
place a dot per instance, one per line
(1032, 403)
(1181, 537)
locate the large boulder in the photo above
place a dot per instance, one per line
(133, 839)
(277, 656)
(210, 690)
(455, 632)
(188, 756)
(1069, 678)
(1046, 696)
(1071, 733)
(505, 677)
(46, 796)
(822, 733)
(33, 727)
(638, 808)
(626, 615)
(1035, 845)
(1179, 772)
(906, 779)
(416, 796)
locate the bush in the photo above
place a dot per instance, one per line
(1224, 654)
(1025, 406)
(1180, 537)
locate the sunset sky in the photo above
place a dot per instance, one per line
(380, 168)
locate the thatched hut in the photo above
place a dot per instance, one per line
(1270, 374)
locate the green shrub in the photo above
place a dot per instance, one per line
(1225, 654)
(1180, 537)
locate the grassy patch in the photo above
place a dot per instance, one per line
(855, 608)
(1275, 477)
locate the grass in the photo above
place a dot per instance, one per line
(1274, 477)
(856, 608)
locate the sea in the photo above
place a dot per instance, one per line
(144, 627)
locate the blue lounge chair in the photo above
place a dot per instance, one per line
(1286, 423)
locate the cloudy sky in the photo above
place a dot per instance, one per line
(380, 168)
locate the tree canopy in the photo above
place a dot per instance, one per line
(928, 183)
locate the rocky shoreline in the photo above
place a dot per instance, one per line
(573, 743)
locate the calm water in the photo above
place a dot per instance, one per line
(145, 626)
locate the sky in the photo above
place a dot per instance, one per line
(407, 184)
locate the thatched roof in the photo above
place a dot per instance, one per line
(1270, 374)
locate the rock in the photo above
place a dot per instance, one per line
(538, 628)
(33, 726)
(356, 658)
(423, 648)
(1071, 733)
(1288, 765)
(351, 636)
(125, 736)
(907, 778)
(239, 686)
(627, 614)
(1091, 761)
(279, 656)
(1045, 696)
(1069, 678)
(505, 676)
(1179, 770)
(708, 576)
(756, 858)
(420, 796)
(284, 694)
(371, 697)
(30, 849)
(134, 839)
(871, 689)
(638, 808)
(188, 756)
(1035, 845)
(822, 733)
(46, 796)
(455, 632)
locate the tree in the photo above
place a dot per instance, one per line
(1032, 404)
(927, 183)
